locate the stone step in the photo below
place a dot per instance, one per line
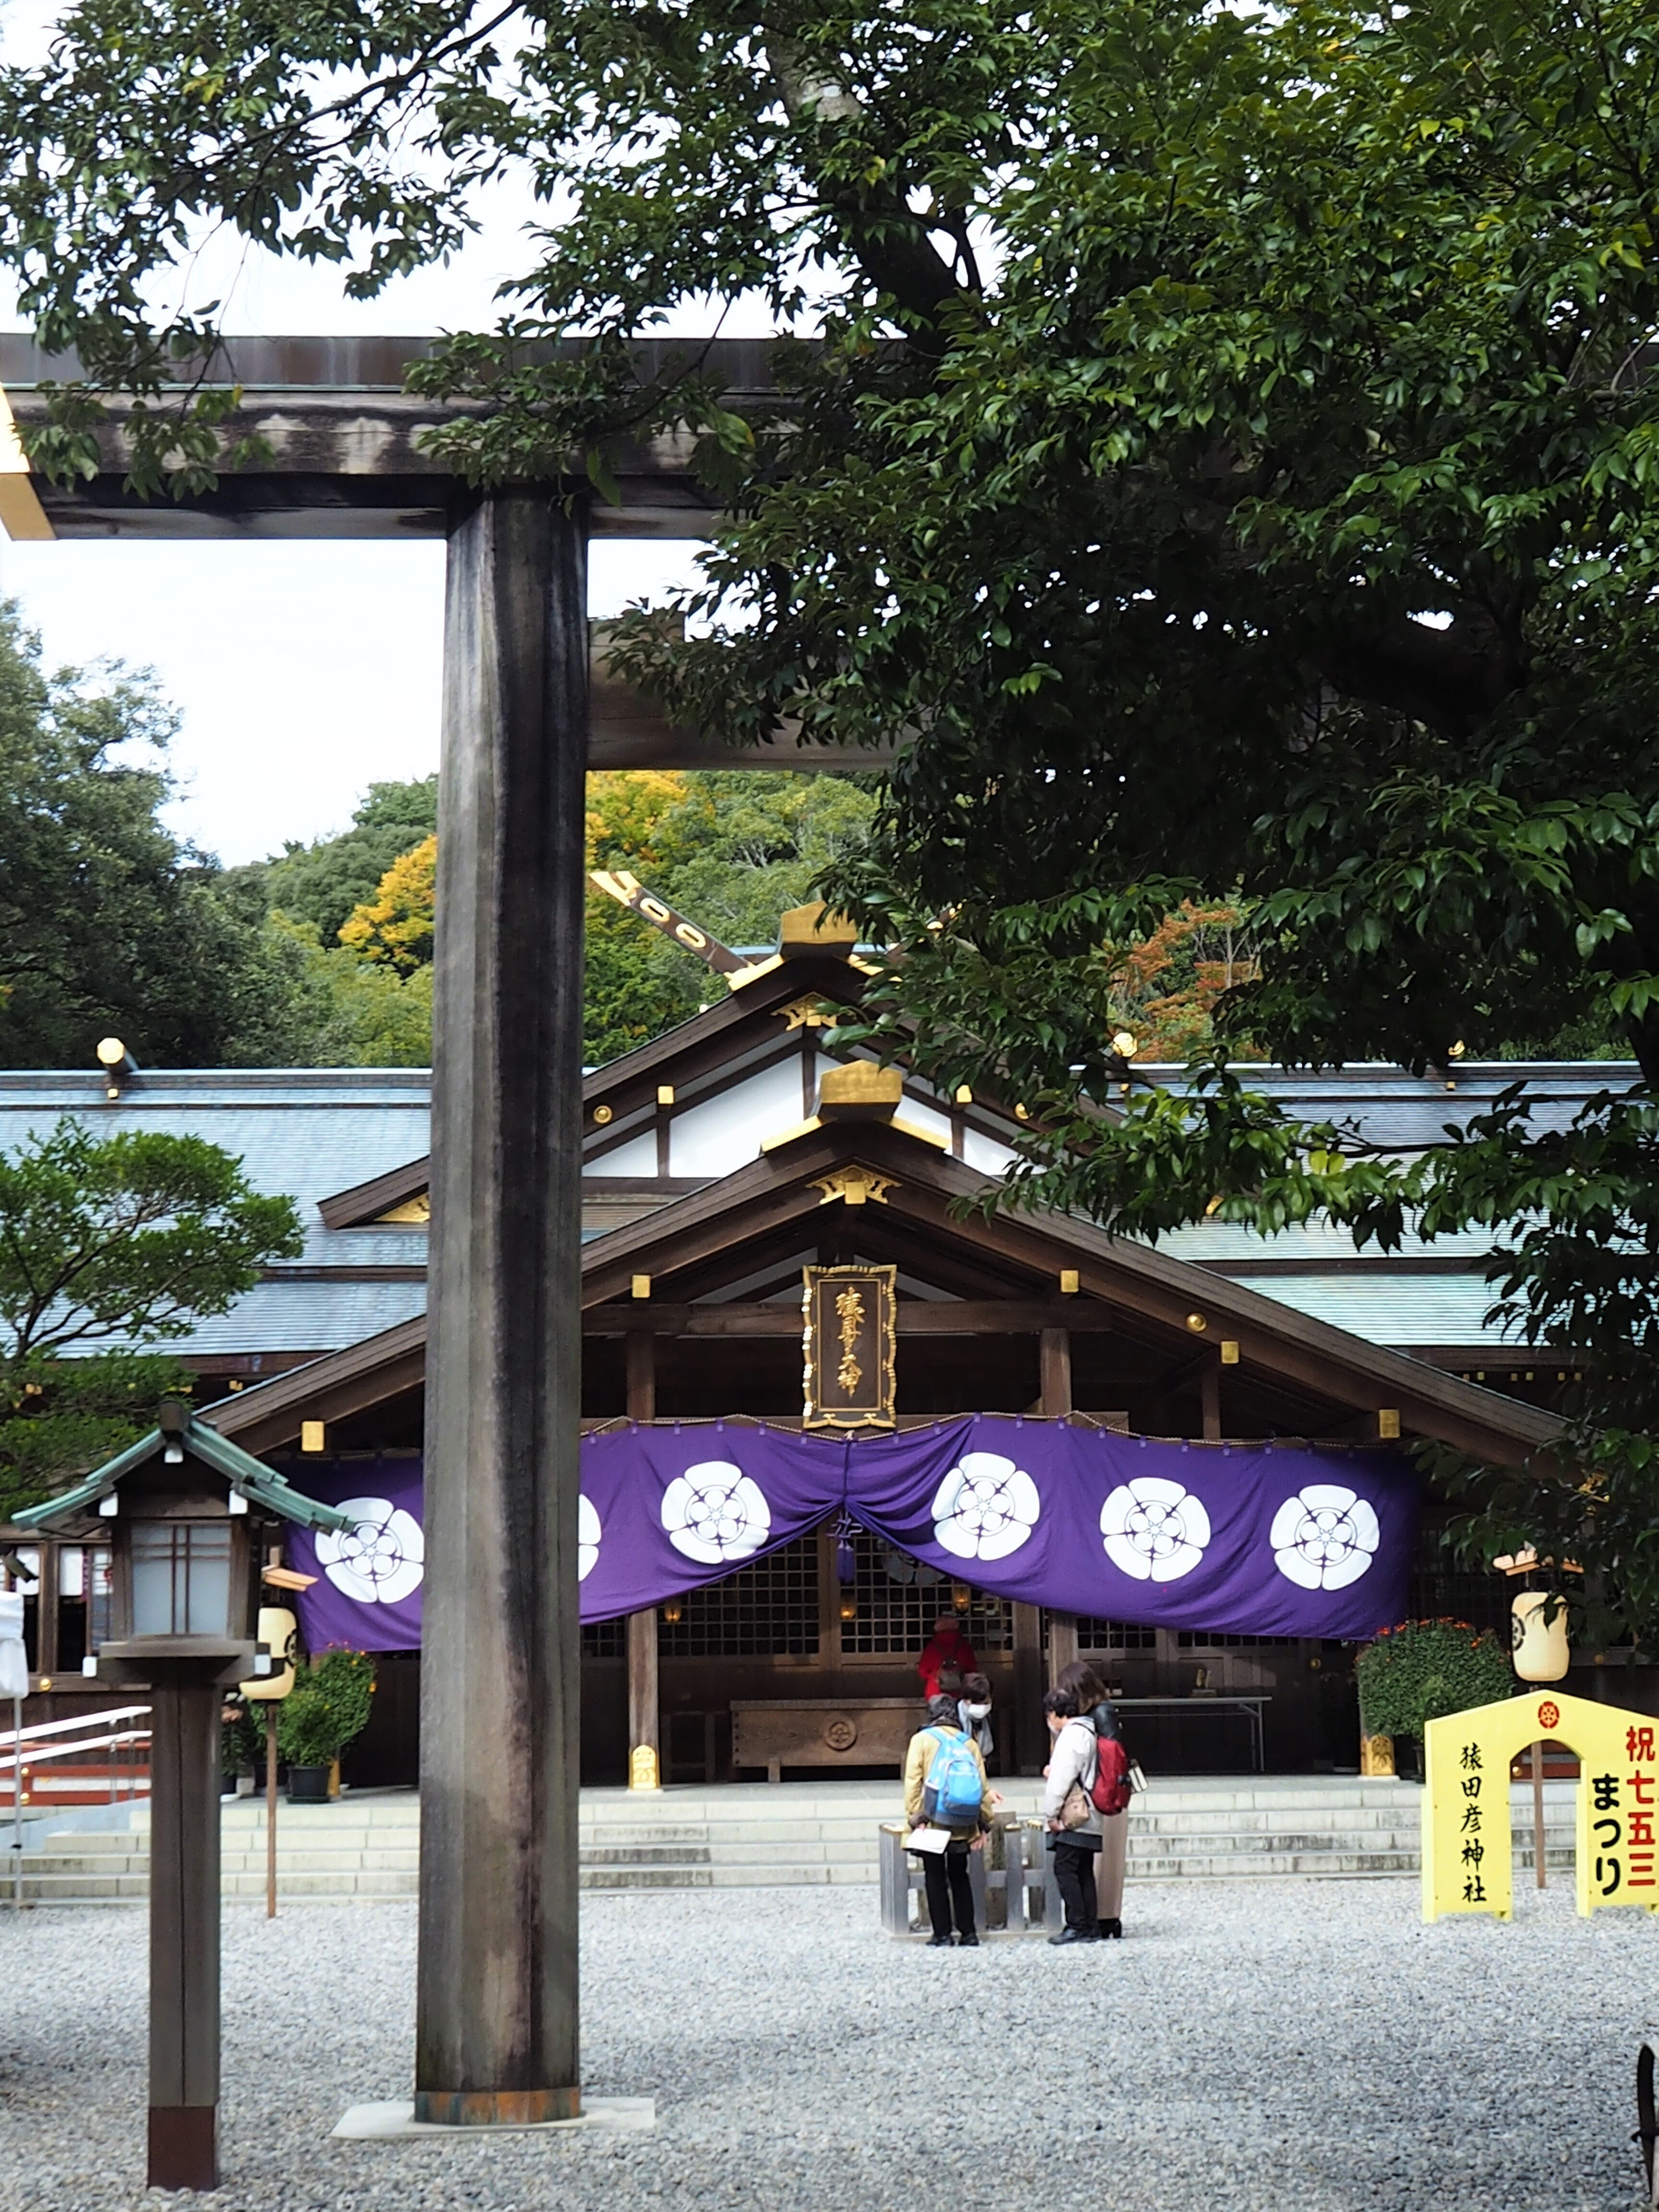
(755, 1835)
(338, 1884)
(649, 1854)
(721, 1877)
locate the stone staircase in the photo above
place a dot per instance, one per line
(364, 1847)
(753, 1835)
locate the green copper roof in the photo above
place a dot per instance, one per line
(260, 1485)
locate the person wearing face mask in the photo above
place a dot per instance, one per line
(974, 1712)
(1090, 1691)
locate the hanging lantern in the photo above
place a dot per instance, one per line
(279, 1631)
(1540, 1645)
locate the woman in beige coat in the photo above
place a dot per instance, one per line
(946, 1873)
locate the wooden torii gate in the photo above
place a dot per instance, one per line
(498, 2033)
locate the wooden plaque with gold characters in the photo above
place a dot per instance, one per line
(848, 1346)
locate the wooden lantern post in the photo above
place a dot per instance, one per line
(181, 1576)
(178, 1508)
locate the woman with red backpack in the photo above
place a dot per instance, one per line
(1112, 1791)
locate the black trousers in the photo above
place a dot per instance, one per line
(946, 1874)
(1074, 1876)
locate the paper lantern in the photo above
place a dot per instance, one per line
(1540, 1645)
(277, 1631)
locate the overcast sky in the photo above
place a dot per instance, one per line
(303, 672)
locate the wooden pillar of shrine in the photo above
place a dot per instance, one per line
(1054, 1364)
(644, 1689)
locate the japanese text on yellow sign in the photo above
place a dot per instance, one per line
(1467, 1851)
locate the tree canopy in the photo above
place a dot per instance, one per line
(111, 1248)
(108, 921)
(321, 883)
(1228, 451)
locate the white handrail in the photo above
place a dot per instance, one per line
(10, 1760)
(38, 1728)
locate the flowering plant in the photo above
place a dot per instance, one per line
(1418, 1670)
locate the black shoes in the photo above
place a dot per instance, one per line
(967, 1942)
(1075, 1936)
(1108, 1929)
(939, 1943)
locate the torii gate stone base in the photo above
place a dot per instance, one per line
(497, 2037)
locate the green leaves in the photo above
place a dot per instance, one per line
(126, 1240)
(1222, 459)
(110, 1246)
(1423, 1669)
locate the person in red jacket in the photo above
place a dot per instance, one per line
(946, 1650)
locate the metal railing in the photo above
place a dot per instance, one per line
(24, 1750)
(107, 1739)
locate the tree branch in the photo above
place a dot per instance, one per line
(886, 238)
(1453, 680)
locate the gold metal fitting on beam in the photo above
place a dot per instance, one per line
(856, 1185)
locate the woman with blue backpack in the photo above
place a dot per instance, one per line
(948, 1804)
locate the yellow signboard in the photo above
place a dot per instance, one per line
(1466, 1853)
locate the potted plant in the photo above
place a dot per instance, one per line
(1419, 1670)
(328, 1705)
(241, 1746)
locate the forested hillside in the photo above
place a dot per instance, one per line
(321, 956)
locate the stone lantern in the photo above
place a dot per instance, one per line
(181, 1510)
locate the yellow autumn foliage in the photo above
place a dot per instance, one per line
(395, 926)
(624, 807)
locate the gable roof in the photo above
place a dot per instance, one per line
(250, 1478)
(758, 1026)
(919, 1200)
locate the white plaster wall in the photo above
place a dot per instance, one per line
(727, 1133)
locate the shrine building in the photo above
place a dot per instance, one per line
(724, 1163)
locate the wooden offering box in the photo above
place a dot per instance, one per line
(776, 1733)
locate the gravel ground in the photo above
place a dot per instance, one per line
(1296, 2047)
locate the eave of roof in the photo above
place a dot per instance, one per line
(935, 1194)
(260, 1485)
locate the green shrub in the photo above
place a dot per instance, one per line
(1422, 1670)
(306, 1731)
(242, 1742)
(328, 1705)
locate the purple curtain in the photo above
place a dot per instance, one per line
(368, 1591)
(1251, 1541)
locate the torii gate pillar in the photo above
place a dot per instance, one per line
(496, 2037)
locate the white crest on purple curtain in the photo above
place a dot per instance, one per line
(380, 1559)
(985, 1508)
(713, 1512)
(1154, 1529)
(1324, 1537)
(588, 1533)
